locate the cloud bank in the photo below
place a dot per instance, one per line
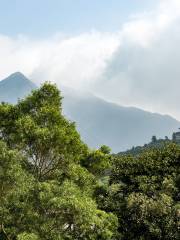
(137, 65)
(145, 68)
(73, 61)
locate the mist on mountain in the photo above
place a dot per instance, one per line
(98, 121)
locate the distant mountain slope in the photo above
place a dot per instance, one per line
(14, 87)
(99, 122)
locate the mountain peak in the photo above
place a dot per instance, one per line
(17, 77)
(17, 74)
(15, 86)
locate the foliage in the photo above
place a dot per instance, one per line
(98, 162)
(53, 187)
(144, 193)
(155, 143)
(45, 192)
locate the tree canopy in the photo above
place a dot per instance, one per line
(53, 187)
(45, 192)
(144, 192)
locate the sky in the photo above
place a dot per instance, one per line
(41, 18)
(126, 52)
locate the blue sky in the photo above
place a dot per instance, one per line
(41, 18)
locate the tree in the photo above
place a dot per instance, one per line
(98, 162)
(144, 193)
(154, 139)
(37, 127)
(46, 193)
(16, 185)
(105, 149)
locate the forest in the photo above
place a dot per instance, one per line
(54, 187)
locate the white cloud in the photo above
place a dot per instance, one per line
(138, 65)
(145, 28)
(72, 61)
(145, 71)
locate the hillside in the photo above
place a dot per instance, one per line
(154, 144)
(99, 122)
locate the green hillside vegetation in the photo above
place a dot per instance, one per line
(144, 193)
(155, 143)
(53, 187)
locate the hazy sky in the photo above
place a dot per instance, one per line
(124, 51)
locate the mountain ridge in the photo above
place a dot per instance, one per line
(116, 126)
(98, 121)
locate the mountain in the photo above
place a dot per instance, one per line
(99, 122)
(16, 86)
